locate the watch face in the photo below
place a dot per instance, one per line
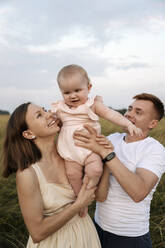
(110, 156)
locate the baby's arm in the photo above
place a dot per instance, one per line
(115, 117)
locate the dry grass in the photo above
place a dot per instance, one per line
(3, 122)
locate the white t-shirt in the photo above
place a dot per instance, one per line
(119, 214)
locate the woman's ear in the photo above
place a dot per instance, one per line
(28, 134)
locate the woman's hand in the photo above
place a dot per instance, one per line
(85, 196)
(96, 143)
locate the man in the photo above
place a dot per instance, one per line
(136, 165)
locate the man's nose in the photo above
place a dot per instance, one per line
(129, 114)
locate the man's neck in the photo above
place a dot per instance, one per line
(128, 138)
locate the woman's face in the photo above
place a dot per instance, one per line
(41, 123)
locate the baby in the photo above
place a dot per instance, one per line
(75, 110)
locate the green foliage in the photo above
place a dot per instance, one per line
(159, 132)
(4, 112)
(13, 233)
(12, 229)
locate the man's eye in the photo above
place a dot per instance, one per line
(77, 90)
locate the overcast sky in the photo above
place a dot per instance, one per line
(121, 44)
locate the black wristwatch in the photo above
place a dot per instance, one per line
(109, 157)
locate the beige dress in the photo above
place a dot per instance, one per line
(72, 120)
(76, 233)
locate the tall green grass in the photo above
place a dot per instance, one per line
(13, 233)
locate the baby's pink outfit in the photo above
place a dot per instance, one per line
(72, 120)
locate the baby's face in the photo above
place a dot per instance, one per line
(75, 90)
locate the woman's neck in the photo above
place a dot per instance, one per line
(48, 150)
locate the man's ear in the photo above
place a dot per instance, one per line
(153, 124)
(28, 134)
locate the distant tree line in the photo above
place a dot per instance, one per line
(4, 112)
(121, 111)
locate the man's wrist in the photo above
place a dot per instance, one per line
(109, 157)
(104, 152)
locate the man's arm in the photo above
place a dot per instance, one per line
(137, 185)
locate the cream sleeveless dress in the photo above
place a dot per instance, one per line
(76, 233)
(72, 120)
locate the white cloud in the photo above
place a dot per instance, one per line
(77, 39)
(12, 97)
(120, 44)
(156, 24)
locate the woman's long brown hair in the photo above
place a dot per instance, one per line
(18, 152)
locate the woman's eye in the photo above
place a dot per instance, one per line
(45, 110)
(38, 115)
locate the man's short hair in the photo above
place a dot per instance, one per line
(158, 105)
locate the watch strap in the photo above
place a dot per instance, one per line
(109, 157)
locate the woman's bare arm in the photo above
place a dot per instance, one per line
(39, 226)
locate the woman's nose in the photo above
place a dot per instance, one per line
(48, 114)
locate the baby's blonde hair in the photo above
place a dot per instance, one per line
(70, 70)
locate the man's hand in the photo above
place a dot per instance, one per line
(92, 141)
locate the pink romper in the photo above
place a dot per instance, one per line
(72, 120)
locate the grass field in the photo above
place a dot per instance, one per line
(13, 233)
(3, 121)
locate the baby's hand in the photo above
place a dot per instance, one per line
(132, 129)
(99, 98)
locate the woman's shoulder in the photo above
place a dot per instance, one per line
(25, 176)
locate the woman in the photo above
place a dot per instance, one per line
(46, 199)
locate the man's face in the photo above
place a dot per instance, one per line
(142, 114)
